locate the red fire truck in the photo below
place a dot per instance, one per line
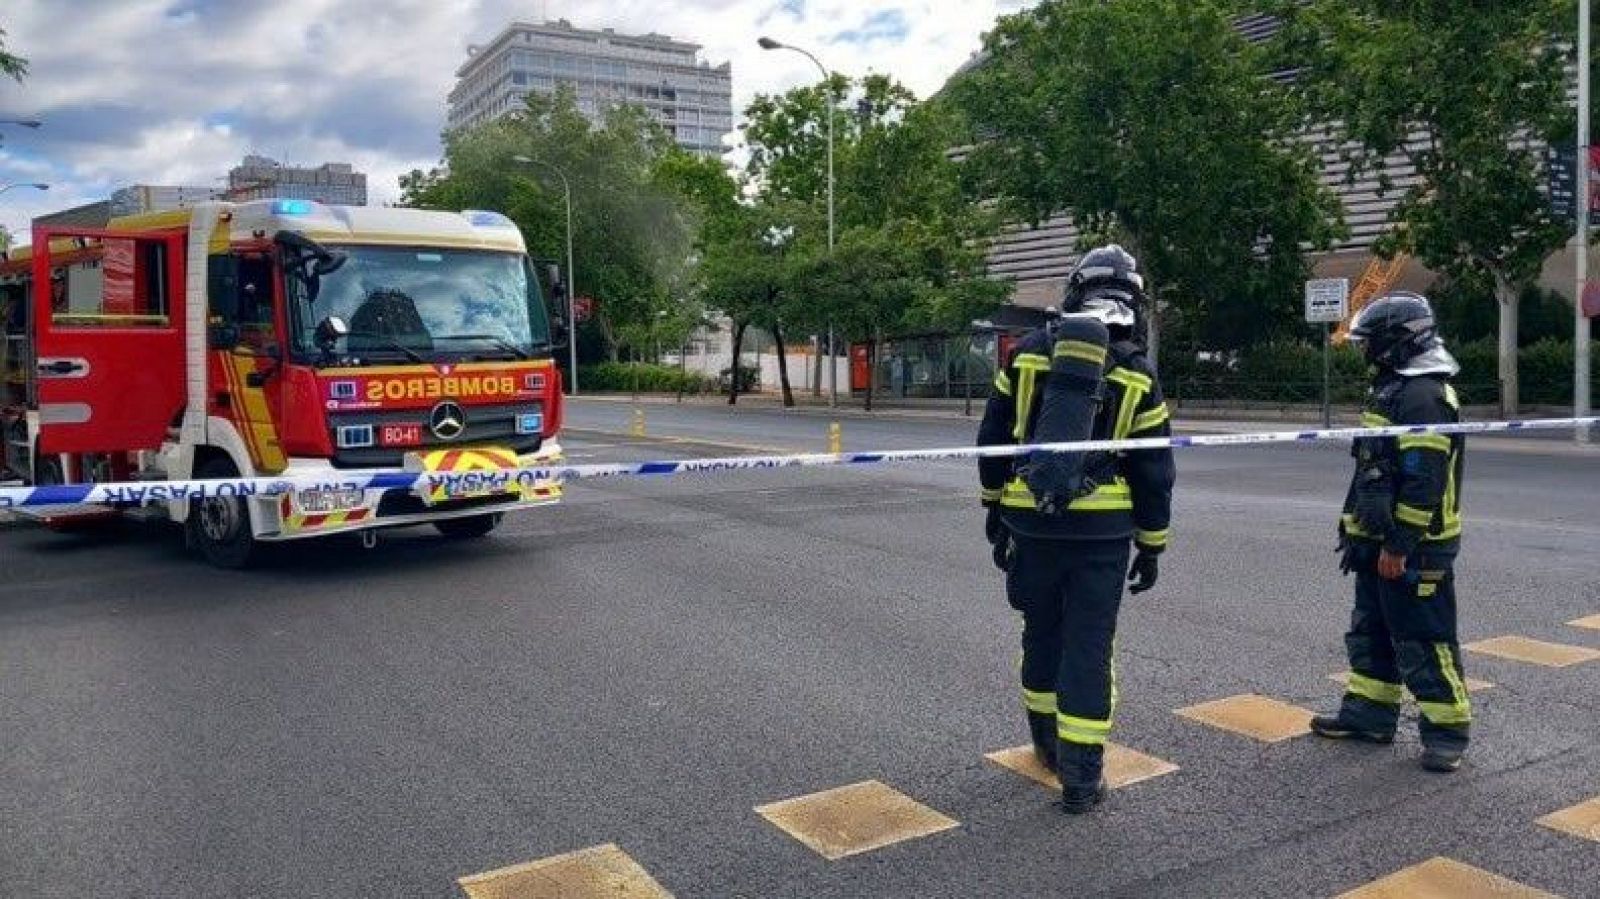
(283, 338)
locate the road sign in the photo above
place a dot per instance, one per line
(1562, 169)
(583, 308)
(1327, 300)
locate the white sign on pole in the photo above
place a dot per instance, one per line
(1327, 300)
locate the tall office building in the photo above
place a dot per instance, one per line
(691, 98)
(259, 178)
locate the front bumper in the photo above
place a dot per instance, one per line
(280, 518)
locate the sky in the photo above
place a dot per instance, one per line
(178, 91)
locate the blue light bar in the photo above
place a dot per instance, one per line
(482, 218)
(530, 423)
(355, 436)
(292, 207)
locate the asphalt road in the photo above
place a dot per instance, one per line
(647, 663)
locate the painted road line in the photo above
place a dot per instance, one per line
(1592, 622)
(1474, 685)
(1443, 878)
(854, 819)
(599, 872)
(1252, 715)
(1581, 820)
(1537, 652)
(1124, 767)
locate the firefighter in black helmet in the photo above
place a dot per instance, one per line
(1061, 523)
(1399, 535)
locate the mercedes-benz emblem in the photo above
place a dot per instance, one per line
(447, 421)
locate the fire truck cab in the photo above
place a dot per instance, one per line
(283, 338)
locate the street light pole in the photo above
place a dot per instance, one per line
(1580, 331)
(572, 277)
(767, 43)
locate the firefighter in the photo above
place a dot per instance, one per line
(1399, 535)
(1061, 524)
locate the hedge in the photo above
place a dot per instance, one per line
(1292, 373)
(629, 376)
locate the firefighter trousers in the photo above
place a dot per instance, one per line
(1403, 632)
(1069, 592)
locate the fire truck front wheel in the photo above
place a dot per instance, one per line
(219, 526)
(468, 528)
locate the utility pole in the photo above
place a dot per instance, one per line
(1580, 330)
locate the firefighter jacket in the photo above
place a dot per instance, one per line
(1415, 479)
(1133, 496)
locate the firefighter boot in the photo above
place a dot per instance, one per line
(1043, 729)
(1443, 746)
(1083, 784)
(1359, 719)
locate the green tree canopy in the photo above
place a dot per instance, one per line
(1469, 95)
(1153, 121)
(632, 232)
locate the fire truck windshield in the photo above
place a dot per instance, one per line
(433, 303)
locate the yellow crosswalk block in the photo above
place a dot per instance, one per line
(1592, 622)
(1537, 652)
(1124, 766)
(1251, 715)
(1443, 878)
(1581, 820)
(599, 872)
(854, 819)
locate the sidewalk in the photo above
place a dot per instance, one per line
(1208, 419)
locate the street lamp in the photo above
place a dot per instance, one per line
(767, 43)
(572, 278)
(36, 185)
(1580, 342)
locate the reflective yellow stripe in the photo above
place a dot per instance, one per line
(1437, 442)
(1113, 497)
(1352, 528)
(1373, 689)
(1151, 538)
(1028, 367)
(1130, 379)
(1417, 518)
(1084, 731)
(1458, 711)
(990, 496)
(1036, 701)
(1374, 420)
(1002, 383)
(1084, 352)
(1451, 397)
(1156, 417)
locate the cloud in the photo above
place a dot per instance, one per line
(176, 91)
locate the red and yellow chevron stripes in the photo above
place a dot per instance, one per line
(251, 415)
(298, 521)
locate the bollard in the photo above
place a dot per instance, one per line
(835, 439)
(637, 429)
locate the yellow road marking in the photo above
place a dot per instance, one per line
(1258, 717)
(1473, 684)
(1537, 652)
(1443, 878)
(1592, 622)
(854, 819)
(1581, 820)
(1124, 766)
(599, 872)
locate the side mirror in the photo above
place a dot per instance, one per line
(558, 287)
(330, 331)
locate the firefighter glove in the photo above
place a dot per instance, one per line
(1144, 572)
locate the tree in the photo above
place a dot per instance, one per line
(1152, 122)
(1468, 95)
(632, 232)
(5, 238)
(899, 195)
(11, 64)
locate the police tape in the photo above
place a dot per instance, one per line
(478, 482)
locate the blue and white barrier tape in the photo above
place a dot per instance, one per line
(138, 493)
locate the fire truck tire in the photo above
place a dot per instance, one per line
(468, 528)
(220, 526)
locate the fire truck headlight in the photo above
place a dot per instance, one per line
(330, 500)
